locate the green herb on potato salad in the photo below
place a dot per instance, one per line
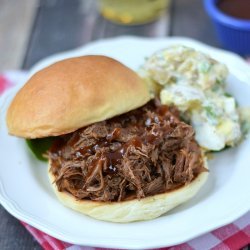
(196, 84)
(245, 120)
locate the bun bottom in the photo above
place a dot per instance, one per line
(134, 210)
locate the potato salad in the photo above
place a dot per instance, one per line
(195, 83)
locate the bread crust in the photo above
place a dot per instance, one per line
(74, 93)
(134, 210)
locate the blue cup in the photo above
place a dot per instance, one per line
(233, 33)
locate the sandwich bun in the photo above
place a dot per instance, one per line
(74, 93)
(147, 208)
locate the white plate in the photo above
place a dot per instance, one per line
(25, 191)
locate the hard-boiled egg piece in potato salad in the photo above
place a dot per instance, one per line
(195, 83)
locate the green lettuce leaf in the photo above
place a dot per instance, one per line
(40, 146)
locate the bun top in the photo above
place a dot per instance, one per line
(74, 93)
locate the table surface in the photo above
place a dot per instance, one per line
(61, 25)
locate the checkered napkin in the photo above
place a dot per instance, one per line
(231, 237)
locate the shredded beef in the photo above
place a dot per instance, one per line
(141, 153)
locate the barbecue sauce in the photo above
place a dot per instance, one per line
(236, 8)
(127, 120)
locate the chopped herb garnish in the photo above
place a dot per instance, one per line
(228, 95)
(245, 127)
(216, 87)
(205, 67)
(219, 81)
(210, 112)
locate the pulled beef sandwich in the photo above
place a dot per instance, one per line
(117, 156)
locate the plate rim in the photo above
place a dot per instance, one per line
(19, 213)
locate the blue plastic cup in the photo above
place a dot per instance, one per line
(233, 33)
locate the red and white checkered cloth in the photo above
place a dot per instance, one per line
(231, 237)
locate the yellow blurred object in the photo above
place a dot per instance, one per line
(130, 12)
